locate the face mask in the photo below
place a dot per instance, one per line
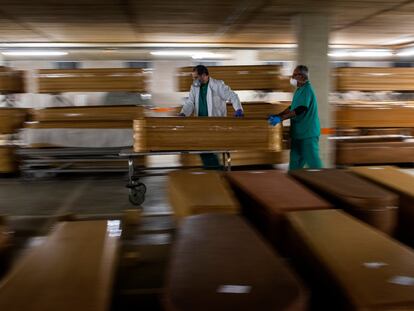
(196, 82)
(293, 82)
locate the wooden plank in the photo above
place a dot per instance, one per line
(215, 255)
(199, 192)
(400, 183)
(350, 265)
(362, 199)
(11, 81)
(192, 133)
(72, 270)
(8, 160)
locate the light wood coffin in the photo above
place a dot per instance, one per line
(91, 80)
(11, 81)
(374, 79)
(378, 116)
(11, 119)
(73, 269)
(351, 153)
(199, 192)
(262, 77)
(348, 264)
(85, 117)
(168, 134)
(401, 183)
(8, 161)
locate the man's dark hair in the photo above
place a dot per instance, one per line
(304, 71)
(201, 69)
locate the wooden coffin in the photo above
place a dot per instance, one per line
(400, 183)
(168, 134)
(91, 80)
(373, 117)
(8, 160)
(11, 119)
(350, 265)
(72, 270)
(261, 77)
(199, 192)
(266, 196)
(85, 117)
(11, 81)
(351, 153)
(242, 158)
(219, 263)
(362, 199)
(374, 79)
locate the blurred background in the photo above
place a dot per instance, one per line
(74, 75)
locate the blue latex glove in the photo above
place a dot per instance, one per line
(239, 113)
(274, 119)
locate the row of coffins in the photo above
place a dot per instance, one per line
(338, 260)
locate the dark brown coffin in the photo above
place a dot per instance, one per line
(362, 199)
(266, 196)
(349, 265)
(219, 263)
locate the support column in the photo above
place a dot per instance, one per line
(313, 42)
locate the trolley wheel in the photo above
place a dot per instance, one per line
(137, 194)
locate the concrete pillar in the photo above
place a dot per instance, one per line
(313, 41)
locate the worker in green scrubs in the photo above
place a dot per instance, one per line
(304, 126)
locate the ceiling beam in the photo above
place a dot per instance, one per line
(132, 17)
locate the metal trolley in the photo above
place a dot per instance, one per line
(137, 189)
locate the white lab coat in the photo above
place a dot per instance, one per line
(218, 94)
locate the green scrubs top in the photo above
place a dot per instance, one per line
(202, 101)
(305, 125)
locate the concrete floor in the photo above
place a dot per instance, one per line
(32, 207)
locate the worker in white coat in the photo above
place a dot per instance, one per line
(208, 98)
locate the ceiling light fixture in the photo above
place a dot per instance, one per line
(34, 53)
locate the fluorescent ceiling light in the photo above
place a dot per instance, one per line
(192, 54)
(361, 53)
(34, 53)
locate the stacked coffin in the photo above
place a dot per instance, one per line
(374, 79)
(172, 134)
(263, 77)
(374, 133)
(91, 80)
(11, 81)
(11, 120)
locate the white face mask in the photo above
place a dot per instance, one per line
(293, 82)
(196, 82)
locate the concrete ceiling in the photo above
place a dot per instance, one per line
(250, 22)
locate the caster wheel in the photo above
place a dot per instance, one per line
(137, 194)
